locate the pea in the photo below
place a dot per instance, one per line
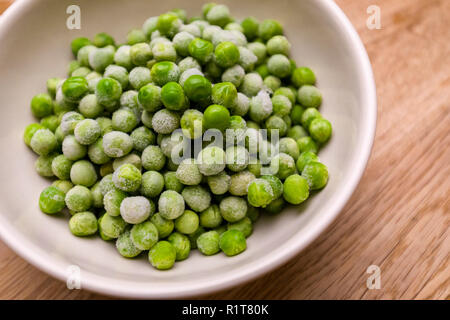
(51, 200)
(232, 242)
(172, 96)
(197, 88)
(162, 255)
(226, 54)
(216, 117)
(201, 50)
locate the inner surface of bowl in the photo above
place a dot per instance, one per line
(35, 45)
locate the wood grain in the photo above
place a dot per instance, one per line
(399, 217)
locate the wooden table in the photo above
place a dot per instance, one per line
(399, 217)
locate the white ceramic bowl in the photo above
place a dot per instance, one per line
(34, 45)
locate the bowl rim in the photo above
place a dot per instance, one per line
(90, 281)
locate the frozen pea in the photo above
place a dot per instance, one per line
(83, 224)
(171, 204)
(135, 209)
(69, 121)
(224, 94)
(63, 185)
(108, 92)
(83, 173)
(149, 98)
(278, 45)
(171, 182)
(118, 73)
(149, 26)
(303, 76)
(208, 243)
(309, 96)
(43, 142)
(296, 132)
(122, 57)
(106, 169)
(192, 123)
(125, 245)
(89, 106)
(52, 85)
(307, 144)
(239, 182)
(272, 83)
(220, 183)
(260, 107)
(29, 131)
(87, 131)
(164, 226)
(124, 120)
(51, 200)
(211, 160)
(50, 122)
(164, 71)
(117, 144)
(162, 255)
(153, 158)
(79, 199)
(241, 106)
(259, 50)
(188, 172)
(289, 146)
(295, 189)
(282, 165)
(181, 244)
(152, 184)
(165, 121)
(192, 29)
(72, 149)
(96, 153)
(211, 217)
(139, 77)
(237, 158)
(100, 58)
(127, 178)
(269, 28)
(140, 53)
(187, 223)
(234, 75)
(320, 130)
(112, 201)
(111, 226)
(276, 184)
(106, 184)
(244, 225)
(188, 63)
(281, 105)
(164, 51)
(253, 213)
(130, 158)
(308, 116)
(144, 235)
(100, 231)
(196, 197)
(279, 65)
(105, 124)
(260, 193)
(97, 195)
(316, 174)
(61, 167)
(233, 208)
(232, 242)
(304, 159)
(168, 24)
(276, 206)
(43, 165)
(247, 59)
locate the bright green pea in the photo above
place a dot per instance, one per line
(168, 24)
(276, 184)
(304, 159)
(181, 244)
(103, 39)
(269, 28)
(162, 255)
(51, 200)
(79, 43)
(320, 130)
(303, 76)
(216, 117)
(295, 189)
(244, 225)
(224, 94)
(296, 114)
(164, 72)
(149, 98)
(197, 88)
(74, 88)
(316, 174)
(309, 115)
(226, 54)
(201, 50)
(41, 105)
(83, 224)
(250, 26)
(29, 131)
(260, 193)
(172, 96)
(232, 242)
(307, 144)
(108, 92)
